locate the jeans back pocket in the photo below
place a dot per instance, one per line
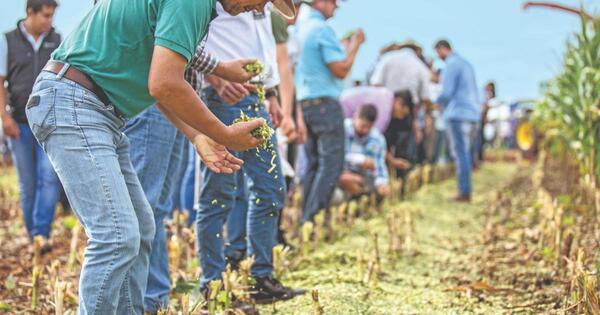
(41, 113)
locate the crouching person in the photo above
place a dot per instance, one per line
(365, 171)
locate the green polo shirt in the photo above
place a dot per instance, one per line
(280, 26)
(114, 44)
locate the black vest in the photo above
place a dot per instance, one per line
(24, 65)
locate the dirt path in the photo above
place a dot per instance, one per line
(436, 277)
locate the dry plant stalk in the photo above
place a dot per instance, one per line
(319, 310)
(352, 210)
(35, 287)
(60, 288)
(307, 230)
(73, 247)
(394, 224)
(376, 250)
(369, 273)
(37, 250)
(281, 262)
(319, 226)
(408, 230)
(360, 264)
(185, 304)
(214, 287)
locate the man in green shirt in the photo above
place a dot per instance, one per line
(123, 57)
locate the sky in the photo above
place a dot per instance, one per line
(517, 49)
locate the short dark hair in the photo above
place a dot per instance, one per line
(368, 112)
(443, 43)
(406, 97)
(37, 5)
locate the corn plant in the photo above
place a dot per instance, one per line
(570, 110)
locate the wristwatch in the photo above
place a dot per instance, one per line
(272, 92)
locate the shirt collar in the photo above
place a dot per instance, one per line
(314, 14)
(24, 30)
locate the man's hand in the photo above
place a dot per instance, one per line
(215, 156)
(10, 127)
(359, 36)
(234, 71)
(418, 135)
(239, 136)
(233, 93)
(288, 128)
(383, 190)
(400, 164)
(352, 183)
(302, 131)
(275, 111)
(368, 165)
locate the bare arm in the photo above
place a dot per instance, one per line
(341, 69)
(9, 126)
(167, 85)
(286, 86)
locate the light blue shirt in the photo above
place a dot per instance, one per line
(459, 97)
(319, 47)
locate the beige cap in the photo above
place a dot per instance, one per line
(286, 8)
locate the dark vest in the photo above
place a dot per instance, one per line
(24, 65)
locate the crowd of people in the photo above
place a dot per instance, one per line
(133, 115)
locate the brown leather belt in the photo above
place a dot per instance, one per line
(317, 101)
(78, 77)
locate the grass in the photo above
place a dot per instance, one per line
(413, 283)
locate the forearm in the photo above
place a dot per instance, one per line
(181, 101)
(3, 95)
(186, 129)
(286, 86)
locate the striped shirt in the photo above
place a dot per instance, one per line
(371, 146)
(202, 63)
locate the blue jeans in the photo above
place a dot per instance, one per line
(188, 182)
(90, 154)
(156, 154)
(324, 154)
(39, 187)
(461, 135)
(237, 221)
(218, 194)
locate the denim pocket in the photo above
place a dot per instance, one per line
(41, 113)
(324, 118)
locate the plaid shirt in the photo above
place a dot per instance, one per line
(372, 146)
(202, 63)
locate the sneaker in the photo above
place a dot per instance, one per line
(237, 305)
(268, 290)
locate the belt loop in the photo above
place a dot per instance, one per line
(64, 70)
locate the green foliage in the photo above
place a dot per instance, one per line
(570, 110)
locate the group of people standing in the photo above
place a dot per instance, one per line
(119, 113)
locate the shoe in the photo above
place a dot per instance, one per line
(464, 198)
(235, 259)
(268, 290)
(237, 305)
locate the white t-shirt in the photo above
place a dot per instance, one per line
(4, 47)
(246, 35)
(403, 70)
